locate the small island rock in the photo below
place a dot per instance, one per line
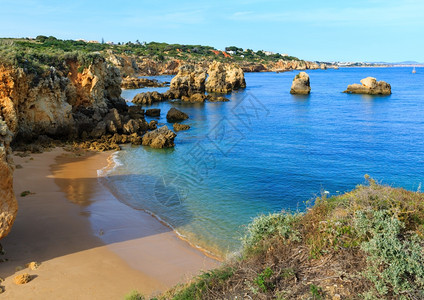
(175, 115)
(301, 84)
(370, 86)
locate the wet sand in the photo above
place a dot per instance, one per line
(90, 245)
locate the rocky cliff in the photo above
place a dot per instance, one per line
(145, 66)
(75, 103)
(8, 203)
(223, 78)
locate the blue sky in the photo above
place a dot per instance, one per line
(373, 30)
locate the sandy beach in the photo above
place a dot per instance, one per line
(89, 245)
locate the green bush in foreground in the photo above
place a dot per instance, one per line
(395, 258)
(134, 295)
(364, 244)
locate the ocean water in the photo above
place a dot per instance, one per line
(267, 150)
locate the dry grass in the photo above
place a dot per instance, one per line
(327, 260)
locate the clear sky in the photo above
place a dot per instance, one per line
(373, 30)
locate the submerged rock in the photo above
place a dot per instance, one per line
(180, 127)
(194, 98)
(159, 138)
(223, 78)
(213, 98)
(369, 86)
(301, 84)
(175, 115)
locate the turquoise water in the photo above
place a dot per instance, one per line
(267, 150)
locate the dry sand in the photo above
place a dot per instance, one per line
(90, 245)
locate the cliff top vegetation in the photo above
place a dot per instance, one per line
(364, 244)
(40, 53)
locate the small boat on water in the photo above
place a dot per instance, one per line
(414, 71)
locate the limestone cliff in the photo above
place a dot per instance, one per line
(50, 105)
(8, 203)
(223, 78)
(45, 105)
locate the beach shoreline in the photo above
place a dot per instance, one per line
(89, 244)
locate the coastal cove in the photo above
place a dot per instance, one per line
(267, 151)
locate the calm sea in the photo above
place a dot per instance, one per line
(267, 151)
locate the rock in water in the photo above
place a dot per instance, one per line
(370, 86)
(153, 112)
(180, 127)
(301, 84)
(8, 203)
(223, 78)
(159, 138)
(190, 80)
(148, 98)
(175, 115)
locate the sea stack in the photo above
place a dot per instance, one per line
(224, 78)
(369, 86)
(301, 84)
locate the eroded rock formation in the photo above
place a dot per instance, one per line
(301, 84)
(159, 138)
(8, 203)
(370, 86)
(137, 83)
(223, 78)
(189, 81)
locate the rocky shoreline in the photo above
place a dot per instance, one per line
(80, 107)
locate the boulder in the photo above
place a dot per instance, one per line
(148, 98)
(132, 126)
(175, 115)
(190, 80)
(22, 279)
(153, 125)
(135, 112)
(370, 86)
(301, 84)
(153, 112)
(223, 78)
(159, 138)
(180, 127)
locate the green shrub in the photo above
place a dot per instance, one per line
(395, 257)
(267, 226)
(25, 193)
(263, 280)
(134, 295)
